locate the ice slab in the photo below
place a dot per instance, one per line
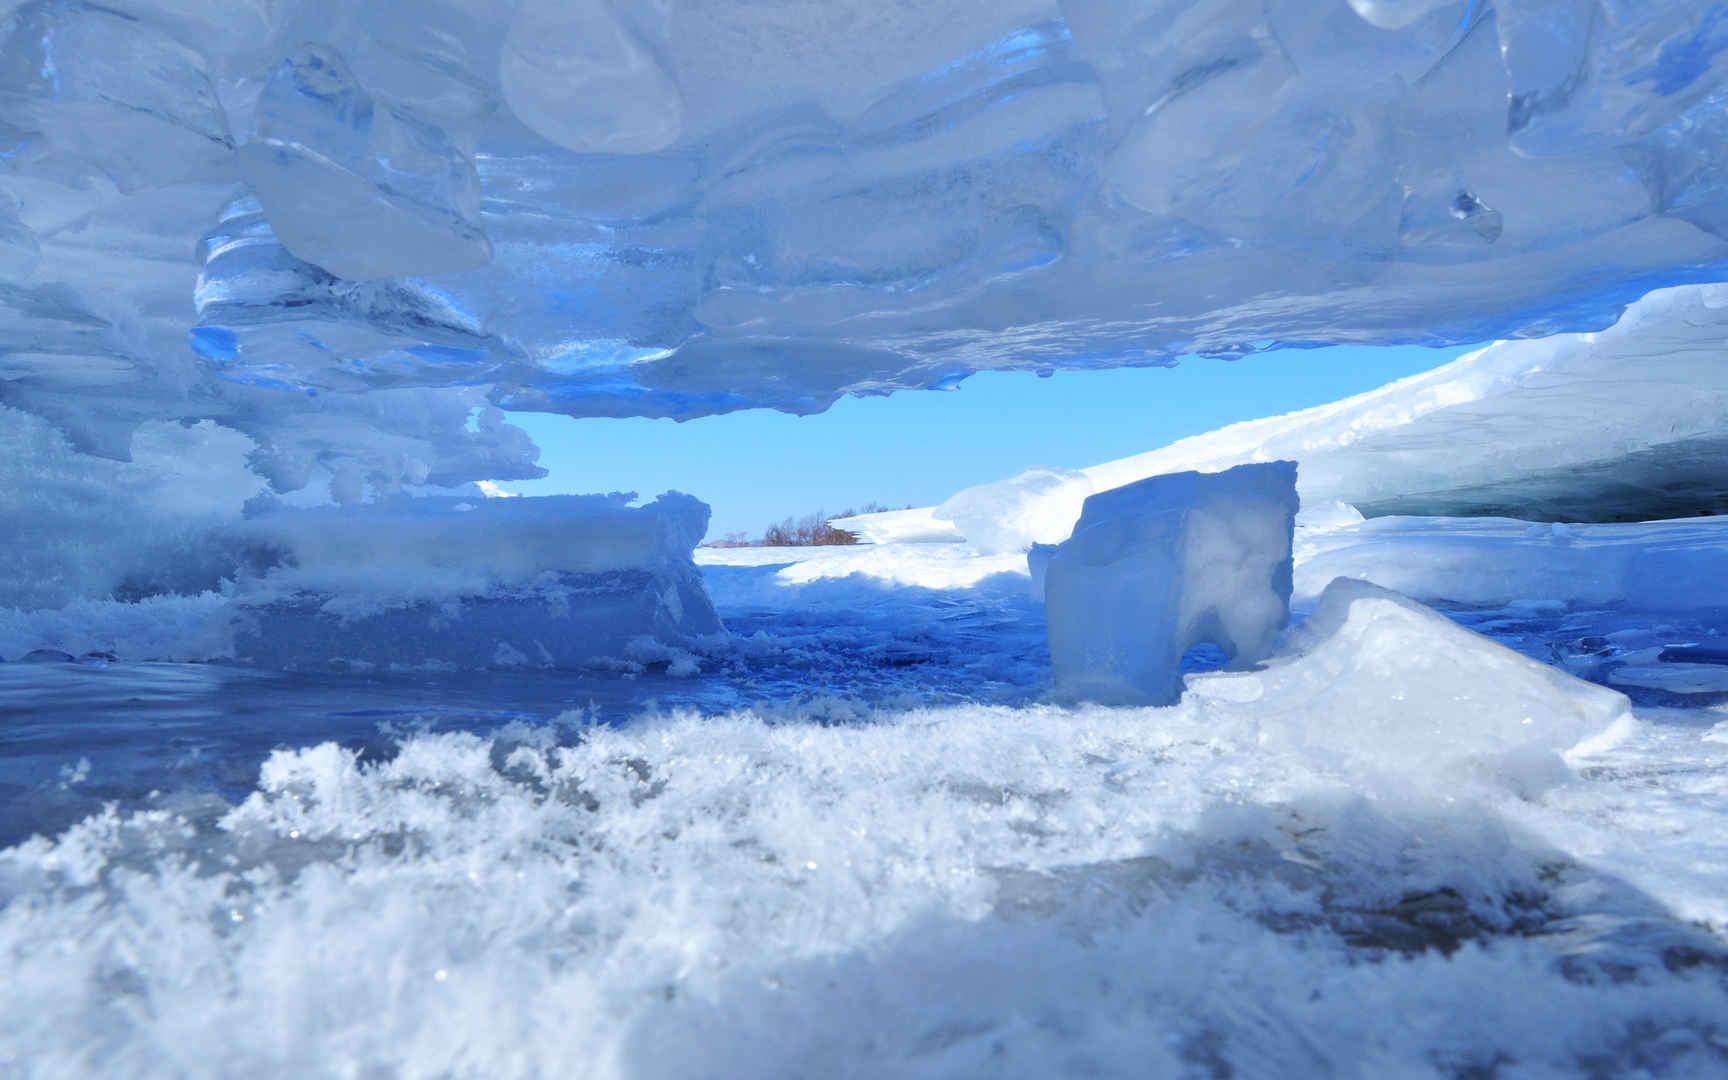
(1658, 566)
(1160, 565)
(1382, 678)
(555, 581)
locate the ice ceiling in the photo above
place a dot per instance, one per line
(347, 229)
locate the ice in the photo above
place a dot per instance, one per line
(84, 528)
(1649, 567)
(96, 90)
(1160, 565)
(1034, 506)
(602, 209)
(438, 583)
(1378, 675)
(579, 77)
(359, 188)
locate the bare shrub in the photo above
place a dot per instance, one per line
(811, 530)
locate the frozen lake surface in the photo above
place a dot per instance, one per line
(857, 842)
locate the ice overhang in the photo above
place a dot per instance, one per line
(340, 230)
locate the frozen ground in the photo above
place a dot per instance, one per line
(858, 842)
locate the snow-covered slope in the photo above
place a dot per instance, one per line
(1627, 424)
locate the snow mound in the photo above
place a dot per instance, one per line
(1382, 678)
(1034, 506)
(1163, 564)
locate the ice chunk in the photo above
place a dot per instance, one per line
(1379, 676)
(356, 186)
(101, 88)
(1034, 506)
(1163, 564)
(555, 581)
(575, 74)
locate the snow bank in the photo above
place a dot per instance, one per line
(1163, 564)
(915, 526)
(556, 581)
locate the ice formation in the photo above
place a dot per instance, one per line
(1383, 678)
(1163, 564)
(340, 230)
(439, 583)
(1672, 567)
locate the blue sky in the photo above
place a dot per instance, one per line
(756, 467)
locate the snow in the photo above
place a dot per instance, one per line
(1158, 566)
(1379, 676)
(1034, 506)
(858, 838)
(1030, 888)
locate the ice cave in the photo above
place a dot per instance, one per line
(1382, 737)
